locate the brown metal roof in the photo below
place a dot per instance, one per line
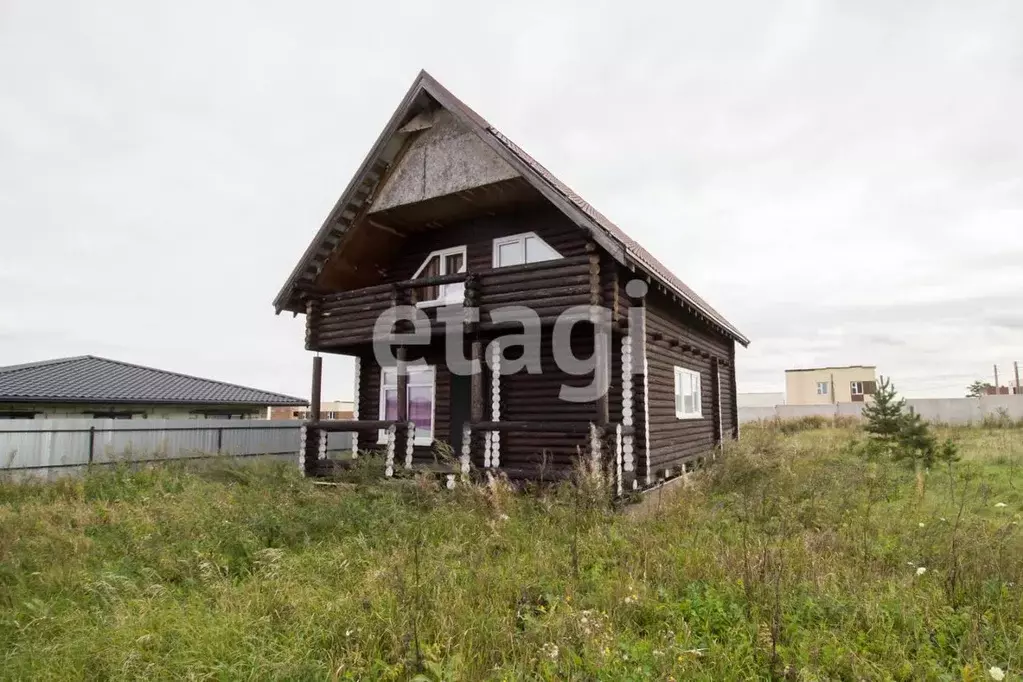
(609, 235)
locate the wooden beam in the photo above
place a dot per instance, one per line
(383, 228)
(476, 385)
(401, 355)
(314, 394)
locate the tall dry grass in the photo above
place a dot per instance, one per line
(790, 558)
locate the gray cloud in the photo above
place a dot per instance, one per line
(843, 180)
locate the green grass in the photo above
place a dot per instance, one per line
(789, 558)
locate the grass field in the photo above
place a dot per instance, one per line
(789, 558)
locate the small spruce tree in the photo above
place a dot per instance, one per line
(903, 436)
(885, 416)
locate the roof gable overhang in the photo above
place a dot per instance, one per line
(359, 195)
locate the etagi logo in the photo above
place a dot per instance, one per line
(529, 340)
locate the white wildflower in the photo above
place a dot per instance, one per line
(922, 524)
(1000, 504)
(551, 651)
(921, 570)
(996, 673)
(504, 517)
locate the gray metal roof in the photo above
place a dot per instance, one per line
(362, 186)
(87, 378)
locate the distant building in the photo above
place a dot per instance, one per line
(338, 409)
(90, 387)
(823, 385)
(760, 399)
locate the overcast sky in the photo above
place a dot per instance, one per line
(843, 181)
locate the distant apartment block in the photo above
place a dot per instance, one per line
(824, 385)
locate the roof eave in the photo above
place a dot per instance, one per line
(63, 400)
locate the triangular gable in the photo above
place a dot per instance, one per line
(444, 158)
(364, 189)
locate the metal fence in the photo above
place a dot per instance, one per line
(46, 445)
(942, 410)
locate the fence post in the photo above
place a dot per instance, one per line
(92, 442)
(220, 439)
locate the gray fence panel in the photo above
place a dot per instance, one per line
(337, 442)
(959, 411)
(45, 445)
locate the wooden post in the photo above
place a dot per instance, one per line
(401, 434)
(314, 397)
(602, 350)
(401, 356)
(476, 410)
(1015, 366)
(716, 402)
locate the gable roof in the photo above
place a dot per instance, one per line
(386, 150)
(87, 378)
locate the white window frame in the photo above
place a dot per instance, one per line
(448, 293)
(412, 371)
(683, 373)
(521, 239)
(855, 388)
(825, 385)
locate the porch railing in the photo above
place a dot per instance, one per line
(548, 288)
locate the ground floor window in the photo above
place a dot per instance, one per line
(421, 394)
(688, 395)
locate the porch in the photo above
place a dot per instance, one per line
(607, 448)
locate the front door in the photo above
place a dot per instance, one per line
(461, 409)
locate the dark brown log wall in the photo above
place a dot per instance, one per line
(535, 398)
(674, 441)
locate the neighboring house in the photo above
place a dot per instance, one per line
(446, 215)
(88, 386)
(338, 409)
(760, 399)
(823, 385)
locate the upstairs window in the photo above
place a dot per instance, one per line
(856, 387)
(688, 394)
(520, 249)
(445, 262)
(822, 388)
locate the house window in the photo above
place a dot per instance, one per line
(17, 415)
(111, 415)
(822, 388)
(438, 263)
(856, 387)
(688, 395)
(520, 249)
(420, 400)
